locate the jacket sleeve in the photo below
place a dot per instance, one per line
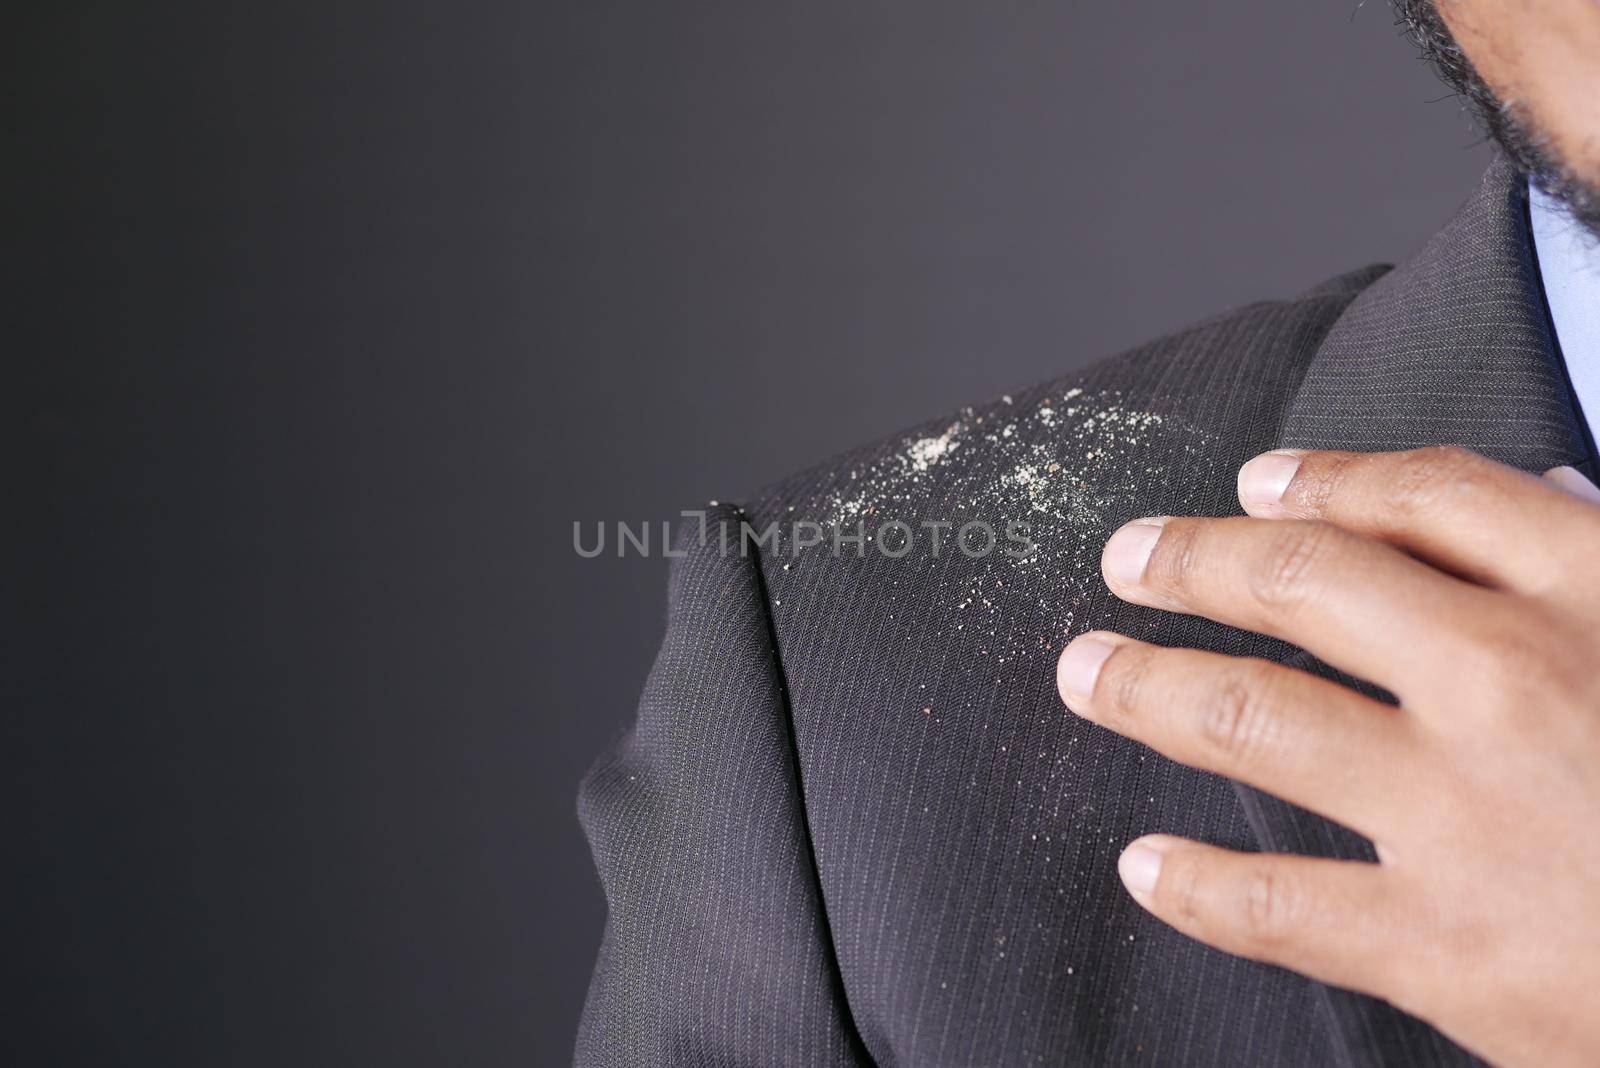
(716, 948)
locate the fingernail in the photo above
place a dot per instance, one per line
(1572, 480)
(1263, 480)
(1140, 867)
(1079, 667)
(1129, 550)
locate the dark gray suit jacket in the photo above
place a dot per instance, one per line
(853, 823)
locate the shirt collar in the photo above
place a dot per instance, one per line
(1569, 271)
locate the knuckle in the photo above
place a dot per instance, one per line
(1429, 477)
(1125, 675)
(1531, 664)
(1291, 561)
(1181, 880)
(1516, 662)
(1176, 556)
(1236, 720)
(1319, 484)
(1439, 463)
(1569, 679)
(1269, 906)
(1460, 943)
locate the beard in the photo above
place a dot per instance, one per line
(1508, 122)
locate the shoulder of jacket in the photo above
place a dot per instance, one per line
(1166, 381)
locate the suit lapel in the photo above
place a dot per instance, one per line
(1452, 348)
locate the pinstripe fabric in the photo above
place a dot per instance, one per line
(716, 950)
(854, 824)
(1456, 347)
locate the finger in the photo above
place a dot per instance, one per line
(1357, 603)
(1333, 920)
(1309, 741)
(1469, 515)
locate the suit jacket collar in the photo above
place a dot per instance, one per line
(1455, 347)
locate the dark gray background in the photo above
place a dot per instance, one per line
(326, 321)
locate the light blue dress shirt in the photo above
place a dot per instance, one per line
(1569, 263)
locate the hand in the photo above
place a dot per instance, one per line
(1470, 591)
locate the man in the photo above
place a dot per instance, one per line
(854, 823)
